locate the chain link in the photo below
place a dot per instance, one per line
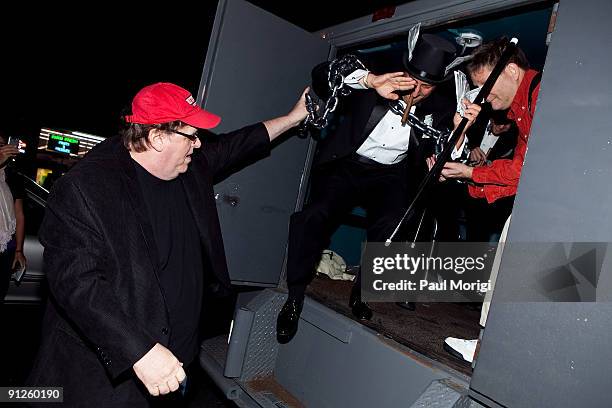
(428, 132)
(318, 113)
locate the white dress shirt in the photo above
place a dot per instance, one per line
(389, 140)
(488, 140)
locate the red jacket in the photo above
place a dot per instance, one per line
(500, 179)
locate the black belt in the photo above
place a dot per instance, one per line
(364, 160)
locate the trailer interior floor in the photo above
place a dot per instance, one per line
(423, 330)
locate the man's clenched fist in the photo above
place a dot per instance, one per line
(160, 371)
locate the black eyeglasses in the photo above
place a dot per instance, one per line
(193, 137)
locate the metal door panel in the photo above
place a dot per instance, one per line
(256, 67)
(544, 353)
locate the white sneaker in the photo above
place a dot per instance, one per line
(460, 348)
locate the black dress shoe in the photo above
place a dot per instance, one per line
(360, 309)
(407, 305)
(288, 319)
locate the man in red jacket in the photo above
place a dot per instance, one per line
(516, 90)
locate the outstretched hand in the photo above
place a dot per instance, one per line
(451, 169)
(457, 170)
(387, 84)
(431, 161)
(299, 111)
(281, 124)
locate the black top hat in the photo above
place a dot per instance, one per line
(431, 55)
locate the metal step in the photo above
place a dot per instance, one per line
(333, 361)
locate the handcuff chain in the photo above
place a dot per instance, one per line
(428, 132)
(335, 82)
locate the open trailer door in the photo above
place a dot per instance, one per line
(256, 67)
(536, 354)
(547, 338)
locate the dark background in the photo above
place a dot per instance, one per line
(77, 68)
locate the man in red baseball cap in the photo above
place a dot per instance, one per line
(165, 102)
(127, 234)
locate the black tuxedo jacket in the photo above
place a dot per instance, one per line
(359, 114)
(106, 307)
(503, 148)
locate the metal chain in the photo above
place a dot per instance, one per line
(318, 113)
(428, 132)
(440, 137)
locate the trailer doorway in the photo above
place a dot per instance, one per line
(332, 361)
(425, 329)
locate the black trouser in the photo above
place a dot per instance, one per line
(336, 188)
(486, 220)
(6, 260)
(446, 203)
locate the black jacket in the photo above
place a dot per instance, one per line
(359, 114)
(503, 148)
(106, 307)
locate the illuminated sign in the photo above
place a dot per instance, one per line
(63, 144)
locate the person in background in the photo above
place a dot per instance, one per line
(493, 141)
(12, 222)
(515, 91)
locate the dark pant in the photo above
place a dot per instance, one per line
(6, 260)
(486, 220)
(336, 188)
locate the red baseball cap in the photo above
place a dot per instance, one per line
(165, 102)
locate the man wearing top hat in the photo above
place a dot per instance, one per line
(370, 160)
